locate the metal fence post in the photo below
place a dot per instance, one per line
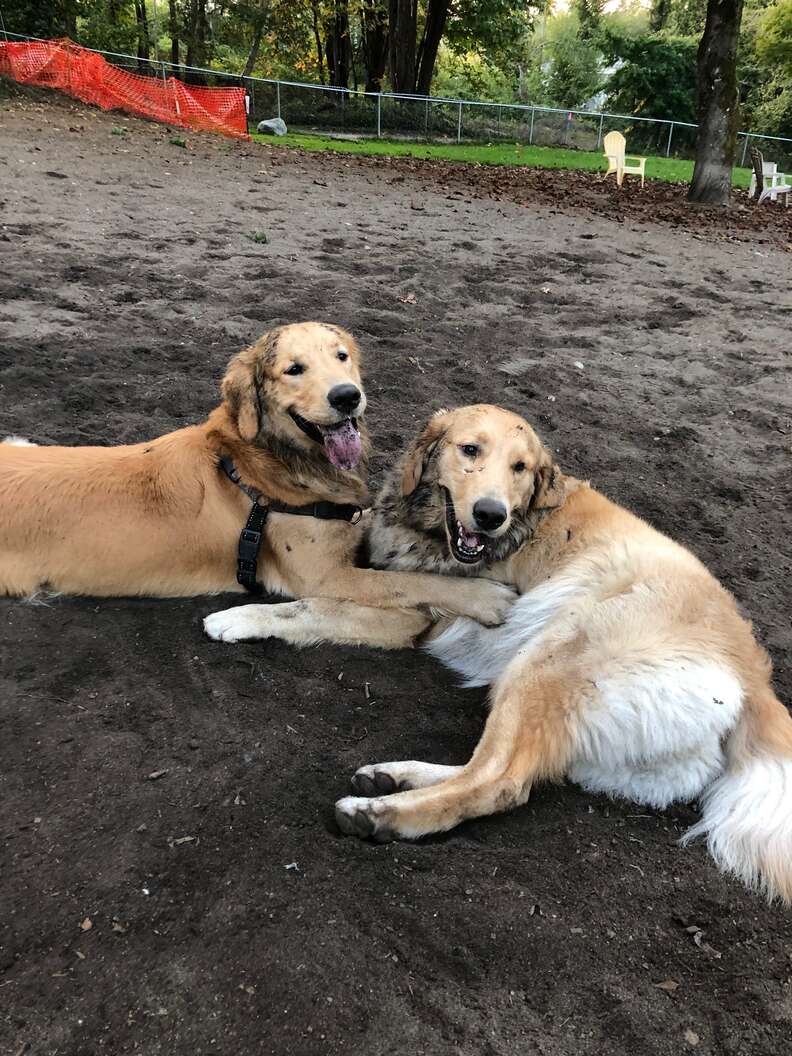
(668, 144)
(426, 119)
(745, 151)
(459, 125)
(164, 74)
(379, 115)
(530, 133)
(277, 92)
(599, 132)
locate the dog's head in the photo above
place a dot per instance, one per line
(478, 477)
(301, 384)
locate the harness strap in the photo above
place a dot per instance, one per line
(252, 534)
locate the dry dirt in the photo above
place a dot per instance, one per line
(215, 908)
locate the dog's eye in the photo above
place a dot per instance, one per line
(295, 369)
(470, 450)
(519, 467)
(343, 356)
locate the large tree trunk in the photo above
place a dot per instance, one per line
(173, 29)
(374, 32)
(338, 47)
(258, 32)
(197, 32)
(718, 116)
(403, 33)
(143, 46)
(434, 27)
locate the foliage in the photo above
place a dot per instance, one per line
(562, 69)
(657, 75)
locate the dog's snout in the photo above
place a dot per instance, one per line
(344, 398)
(489, 514)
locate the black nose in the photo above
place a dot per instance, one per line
(489, 514)
(344, 398)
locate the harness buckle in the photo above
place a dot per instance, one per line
(249, 543)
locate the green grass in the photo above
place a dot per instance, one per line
(672, 170)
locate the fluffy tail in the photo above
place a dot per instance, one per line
(17, 441)
(747, 812)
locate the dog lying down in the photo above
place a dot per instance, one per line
(266, 493)
(623, 666)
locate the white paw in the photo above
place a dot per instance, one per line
(495, 604)
(362, 817)
(18, 441)
(234, 625)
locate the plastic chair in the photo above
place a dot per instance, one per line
(615, 145)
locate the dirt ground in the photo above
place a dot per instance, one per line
(215, 908)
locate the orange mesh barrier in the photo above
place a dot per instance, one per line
(89, 77)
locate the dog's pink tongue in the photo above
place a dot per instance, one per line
(470, 539)
(342, 445)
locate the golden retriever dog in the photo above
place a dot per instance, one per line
(624, 665)
(266, 493)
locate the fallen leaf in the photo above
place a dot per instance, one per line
(668, 984)
(691, 1037)
(409, 299)
(87, 924)
(155, 775)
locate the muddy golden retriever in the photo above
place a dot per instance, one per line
(624, 665)
(282, 458)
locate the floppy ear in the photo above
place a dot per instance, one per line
(548, 490)
(421, 450)
(241, 394)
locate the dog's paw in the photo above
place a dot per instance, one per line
(495, 602)
(364, 818)
(234, 625)
(376, 781)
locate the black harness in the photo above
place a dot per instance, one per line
(253, 532)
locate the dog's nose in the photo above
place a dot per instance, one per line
(344, 398)
(489, 514)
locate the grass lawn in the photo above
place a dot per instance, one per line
(672, 170)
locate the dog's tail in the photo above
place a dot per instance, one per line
(18, 441)
(747, 812)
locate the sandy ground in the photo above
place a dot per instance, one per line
(215, 908)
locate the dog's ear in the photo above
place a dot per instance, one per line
(421, 450)
(548, 489)
(241, 394)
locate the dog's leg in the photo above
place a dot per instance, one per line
(527, 737)
(314, 620)
(382, 779)
(484, 600)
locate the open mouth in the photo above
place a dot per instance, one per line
(341, 441)
(467, 547)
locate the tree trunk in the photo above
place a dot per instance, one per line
(318, 39)
(173, 29)
(434, 27)
(143, 46)
(716, 75)
(196, 40)
(338, 47)
(258, 32)
(403, 33)
(374, 32)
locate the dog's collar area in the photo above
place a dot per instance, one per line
(253, 532)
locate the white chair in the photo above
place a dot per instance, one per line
(775, 185)
(615, 145)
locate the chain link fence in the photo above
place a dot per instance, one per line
(339, 111)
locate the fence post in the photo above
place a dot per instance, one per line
(426, 119)
(459, 125)
(251, 87)
(530, 133)
(277, 92)
(745, 151)
(164, 74)
(668, 144)
(379, 115)
(599, 132)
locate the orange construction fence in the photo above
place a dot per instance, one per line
(89, 77)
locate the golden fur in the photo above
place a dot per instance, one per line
(161, 518)
(620, 631)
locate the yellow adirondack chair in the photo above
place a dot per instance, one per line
(615, 145)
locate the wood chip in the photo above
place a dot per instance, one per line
(155, 775)
(668, 984)
(87, 924)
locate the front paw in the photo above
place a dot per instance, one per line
(493, 603)
(234, 625)
(364, 818)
